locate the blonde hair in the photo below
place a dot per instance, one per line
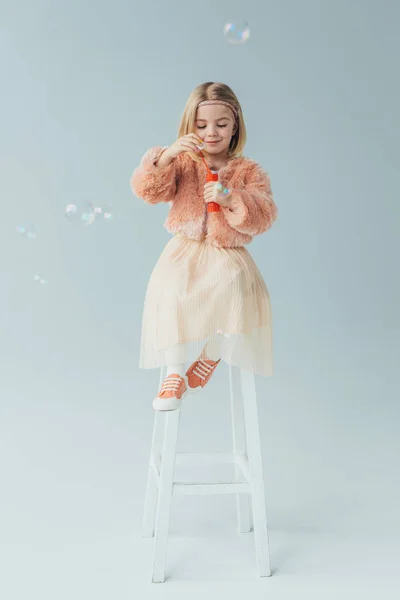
(213, 91)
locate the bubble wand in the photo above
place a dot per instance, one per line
(211, 206)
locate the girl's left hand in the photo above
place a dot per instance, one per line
(213, 193)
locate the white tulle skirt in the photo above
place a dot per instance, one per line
(203, 298)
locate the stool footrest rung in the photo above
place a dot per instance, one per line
(201, 458)
(216, 458)
(229, 487)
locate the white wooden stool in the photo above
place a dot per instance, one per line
(248, 484)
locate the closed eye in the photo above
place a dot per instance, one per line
(203, 127)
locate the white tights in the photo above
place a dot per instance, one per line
(210, 350)
(179, 368)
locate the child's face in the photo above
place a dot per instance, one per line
(215, 124)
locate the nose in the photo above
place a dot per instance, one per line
(212, 134)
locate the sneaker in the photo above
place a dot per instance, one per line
(199, 373)
(171, 393)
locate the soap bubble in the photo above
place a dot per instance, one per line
(223, 191)
(237, 32)
(87, 213)
(40, 280)
(71, 212)
(83, 214)
(27, 231)
(107, 214)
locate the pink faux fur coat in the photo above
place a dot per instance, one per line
(181, 183)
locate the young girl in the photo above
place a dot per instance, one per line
(206, 299)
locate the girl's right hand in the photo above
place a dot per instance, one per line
(186, 143)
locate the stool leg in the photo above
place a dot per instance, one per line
(150, 502)
(243, 505)
(256, 472)
(165, 494)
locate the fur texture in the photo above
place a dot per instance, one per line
(252, 208)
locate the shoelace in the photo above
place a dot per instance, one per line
(171, 384)
(204, 369)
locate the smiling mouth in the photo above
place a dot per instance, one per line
(214, 142)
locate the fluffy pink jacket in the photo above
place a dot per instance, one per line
(181, 183)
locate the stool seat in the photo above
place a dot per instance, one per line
(248, 483)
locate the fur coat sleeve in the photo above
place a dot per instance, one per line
(152, 183)
(253, 209)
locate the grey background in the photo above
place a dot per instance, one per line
(87, 87)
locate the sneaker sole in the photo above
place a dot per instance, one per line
(169, 403)
(192, 391)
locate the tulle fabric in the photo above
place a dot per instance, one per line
(209, 301)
